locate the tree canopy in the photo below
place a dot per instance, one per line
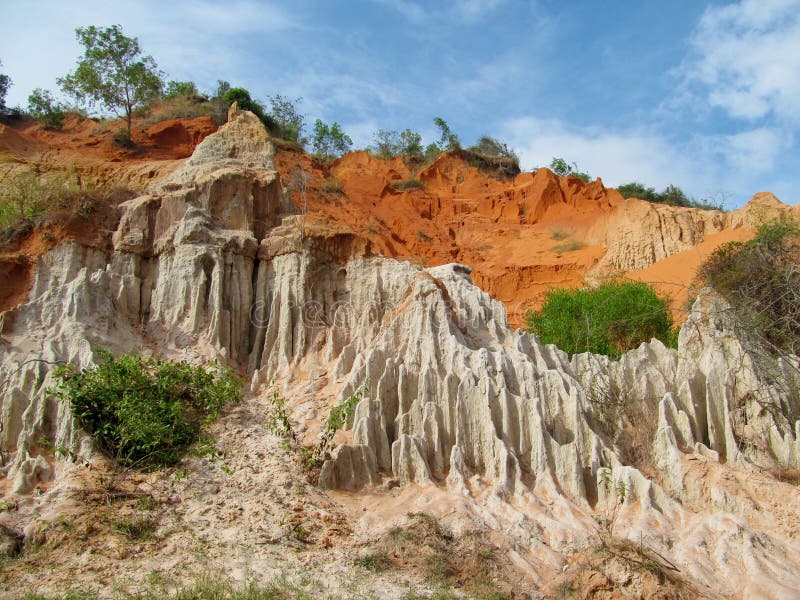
(112, 72)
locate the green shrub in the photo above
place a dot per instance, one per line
(760, 278)
(610, 319)
(45, 109)
(672, 195)
(175, 89)
(562, 168)
(245, 102)
(288, 120)
(145, 412)
(329, 141)
(388, 144)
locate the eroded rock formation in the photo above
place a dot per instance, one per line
(213, 262)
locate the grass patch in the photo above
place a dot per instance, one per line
(423, 237)
(138, 527)
(558, 234)
(407, 184)
(374, 561)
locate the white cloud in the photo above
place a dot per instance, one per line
(466, 11)
(616, 157)
(189, 40)
(757, 150)
(746, 59)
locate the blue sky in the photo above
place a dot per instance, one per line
(702, 95)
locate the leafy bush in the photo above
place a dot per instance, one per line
(389, 144)
(329, 141)
(288, 120)
(610, 319)
(175, 89)
(145, 411)
(671, 195)
(760, 278)
(245, 102)
(561, 167)
(46, 109)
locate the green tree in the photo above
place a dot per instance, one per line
(46, 109)
(174, 89)
(561, 167)
(410, 143)
(447, 139)
(5, 83)
(112, 72)
(329, 141)
(386, 144)
(760, 279)
(610, 319)
(288, 120)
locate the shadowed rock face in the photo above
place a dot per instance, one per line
(212, 263)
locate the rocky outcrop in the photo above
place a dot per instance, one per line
(214, 263)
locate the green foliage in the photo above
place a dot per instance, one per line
(407, 184)
(447, 139)
(278, 421)
(760, 278)
(329, 141)
(671, 195)
(288, 120)
(5, 83)
(337, 419)
(112, 72)
(145, 412)
(175, 89)
(561, 167)
(46, 109)
(610, 319)
(389, 144)
(432, 150)
(245, 102)
(492, 147)
(24, 197)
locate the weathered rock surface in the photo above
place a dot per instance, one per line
(212, 263)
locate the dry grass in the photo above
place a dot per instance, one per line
(468, 563)
(569, 246)
(407, 184)
(620, 568)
